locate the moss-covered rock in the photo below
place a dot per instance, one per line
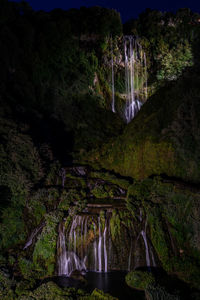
(100, 295)
(171, 208)
(140, 280)
(23, 287)
(51, 291)
(44, 254)
(159, 140)
(158, 292)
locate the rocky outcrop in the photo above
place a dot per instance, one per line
(162, 139)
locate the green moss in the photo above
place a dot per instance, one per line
(27, 269)
(123, 183)
(100, 295)
(140, 280)
(170, 210)
(158, 238)
(64, 202)
(50, 291)
(154, 143)
(36, 206)
(75, 180)
(100, 192)
(115, 224)
(23, 287)
(44, 254)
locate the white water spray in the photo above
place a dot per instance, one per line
(135, 65)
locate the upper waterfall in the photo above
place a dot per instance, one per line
(135, 77)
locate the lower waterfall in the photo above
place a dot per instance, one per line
(143, 233)
(89, 241)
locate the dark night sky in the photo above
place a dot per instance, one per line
(127, 8)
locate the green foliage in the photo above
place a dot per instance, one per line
(23, 287)
(26, 268)
(12, 227)
(48, 73)
(20, 164)
(53, 173)
(173, 61)
(169, 40)
(65, 201)
(6, 287)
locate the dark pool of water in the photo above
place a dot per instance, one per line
(111, 282)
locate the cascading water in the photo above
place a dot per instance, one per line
(148, 250)
(143, 233)
(68, 261)
(135, 65)
(33, 235)
(105, 248)
(135, 69)
(81, 243)
(100, 241)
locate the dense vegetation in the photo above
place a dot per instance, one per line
(55, 98)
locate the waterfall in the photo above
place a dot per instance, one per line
(62, 258)
(153, 259)
(86, 242)
(75, 248)
(148, 249)
(105, 249)
(95, 249)
(143, 233)
(33, 234)
(99, 247)
(135, 66)
(68, 261)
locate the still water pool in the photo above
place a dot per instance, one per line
(111, 282)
